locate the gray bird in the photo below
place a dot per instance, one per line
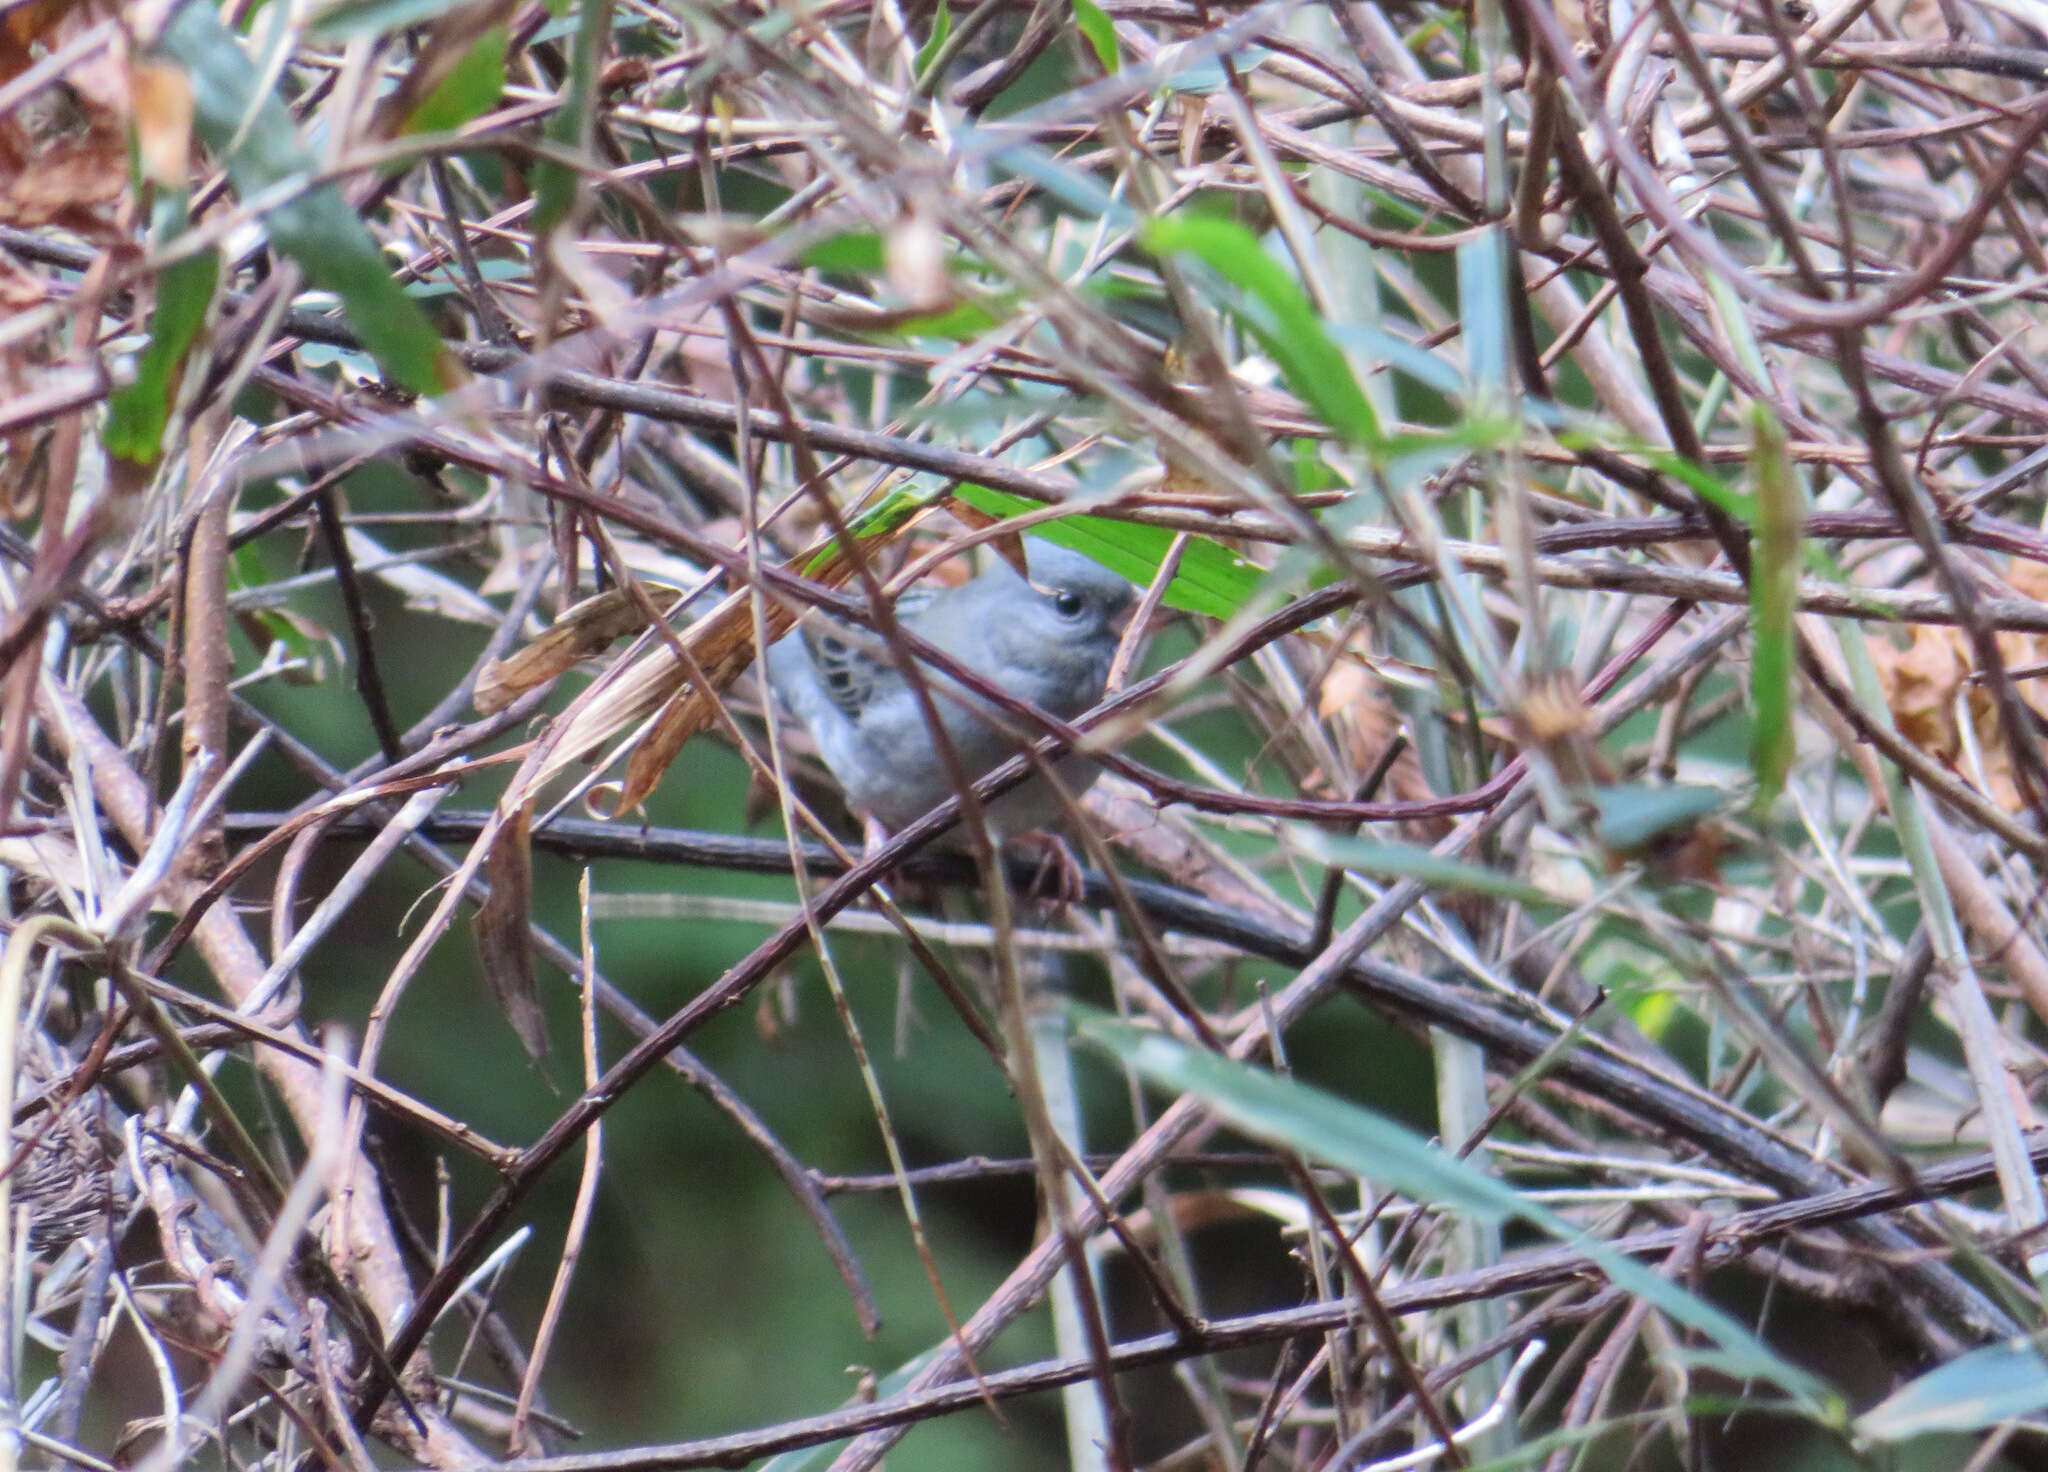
(1048, 642)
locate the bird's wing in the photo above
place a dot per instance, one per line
(845, 675)
(849, 673)
(794, 678)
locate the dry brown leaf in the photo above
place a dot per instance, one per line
(685, 715)
(504, 941)
(1009, 546)
(585, 630)
(1192, 1211)
(722, 644)
(1932, 679)
(723, 647)
(1364, 719)
(64, 149)
(163, 122)
(25, 27)
(24, 367)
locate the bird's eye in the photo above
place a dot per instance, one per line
(1069, 605)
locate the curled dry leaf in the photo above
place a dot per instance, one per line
(1009, 546)
(581, 632)
(504, 942)
(721, 643)
(163, 123)
(653, 680)
(64, 148)
(1931, 685)
(24, 363)
(1192, 1211)
(1363, 717)
(1553, 719)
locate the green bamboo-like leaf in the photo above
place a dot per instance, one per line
(137, 414)
(1773, 601)
(1628, 817)
(1075, 189)
(1283, 1112)
(1099, 32)
(1696, 478)
(1403, 357)
(964, 321)
(315, 228)
(1483, 312)
(1258, 291)
(942, 27)
(1705, 484)
(2000, 1382)
(1203, 75)
(856, 252)
(1412, 861)
(555, 183)
(353, 20)
(881, 520)
(468, 91)
(1211, 580)
(1313, 473)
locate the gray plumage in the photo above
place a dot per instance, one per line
(1048, 642)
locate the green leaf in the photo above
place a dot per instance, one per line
(490, 270)
(1403, 357)
(883, 519)
(355, 20)
(554, 183)
(1773, 601)
(1204, 74)
(1412, 861)
(857, 253)
(137, 414)
(964, 321)
(942, 27)
(467, 92)
(1211, 580)
(1257, 290)
(1312, 472)
(1078, 190)
(1292, 1115)
(1629, 817)
(1696, 478)
(1483, 314)
(2000, 1382)
(1099, 31)
(316, 228)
